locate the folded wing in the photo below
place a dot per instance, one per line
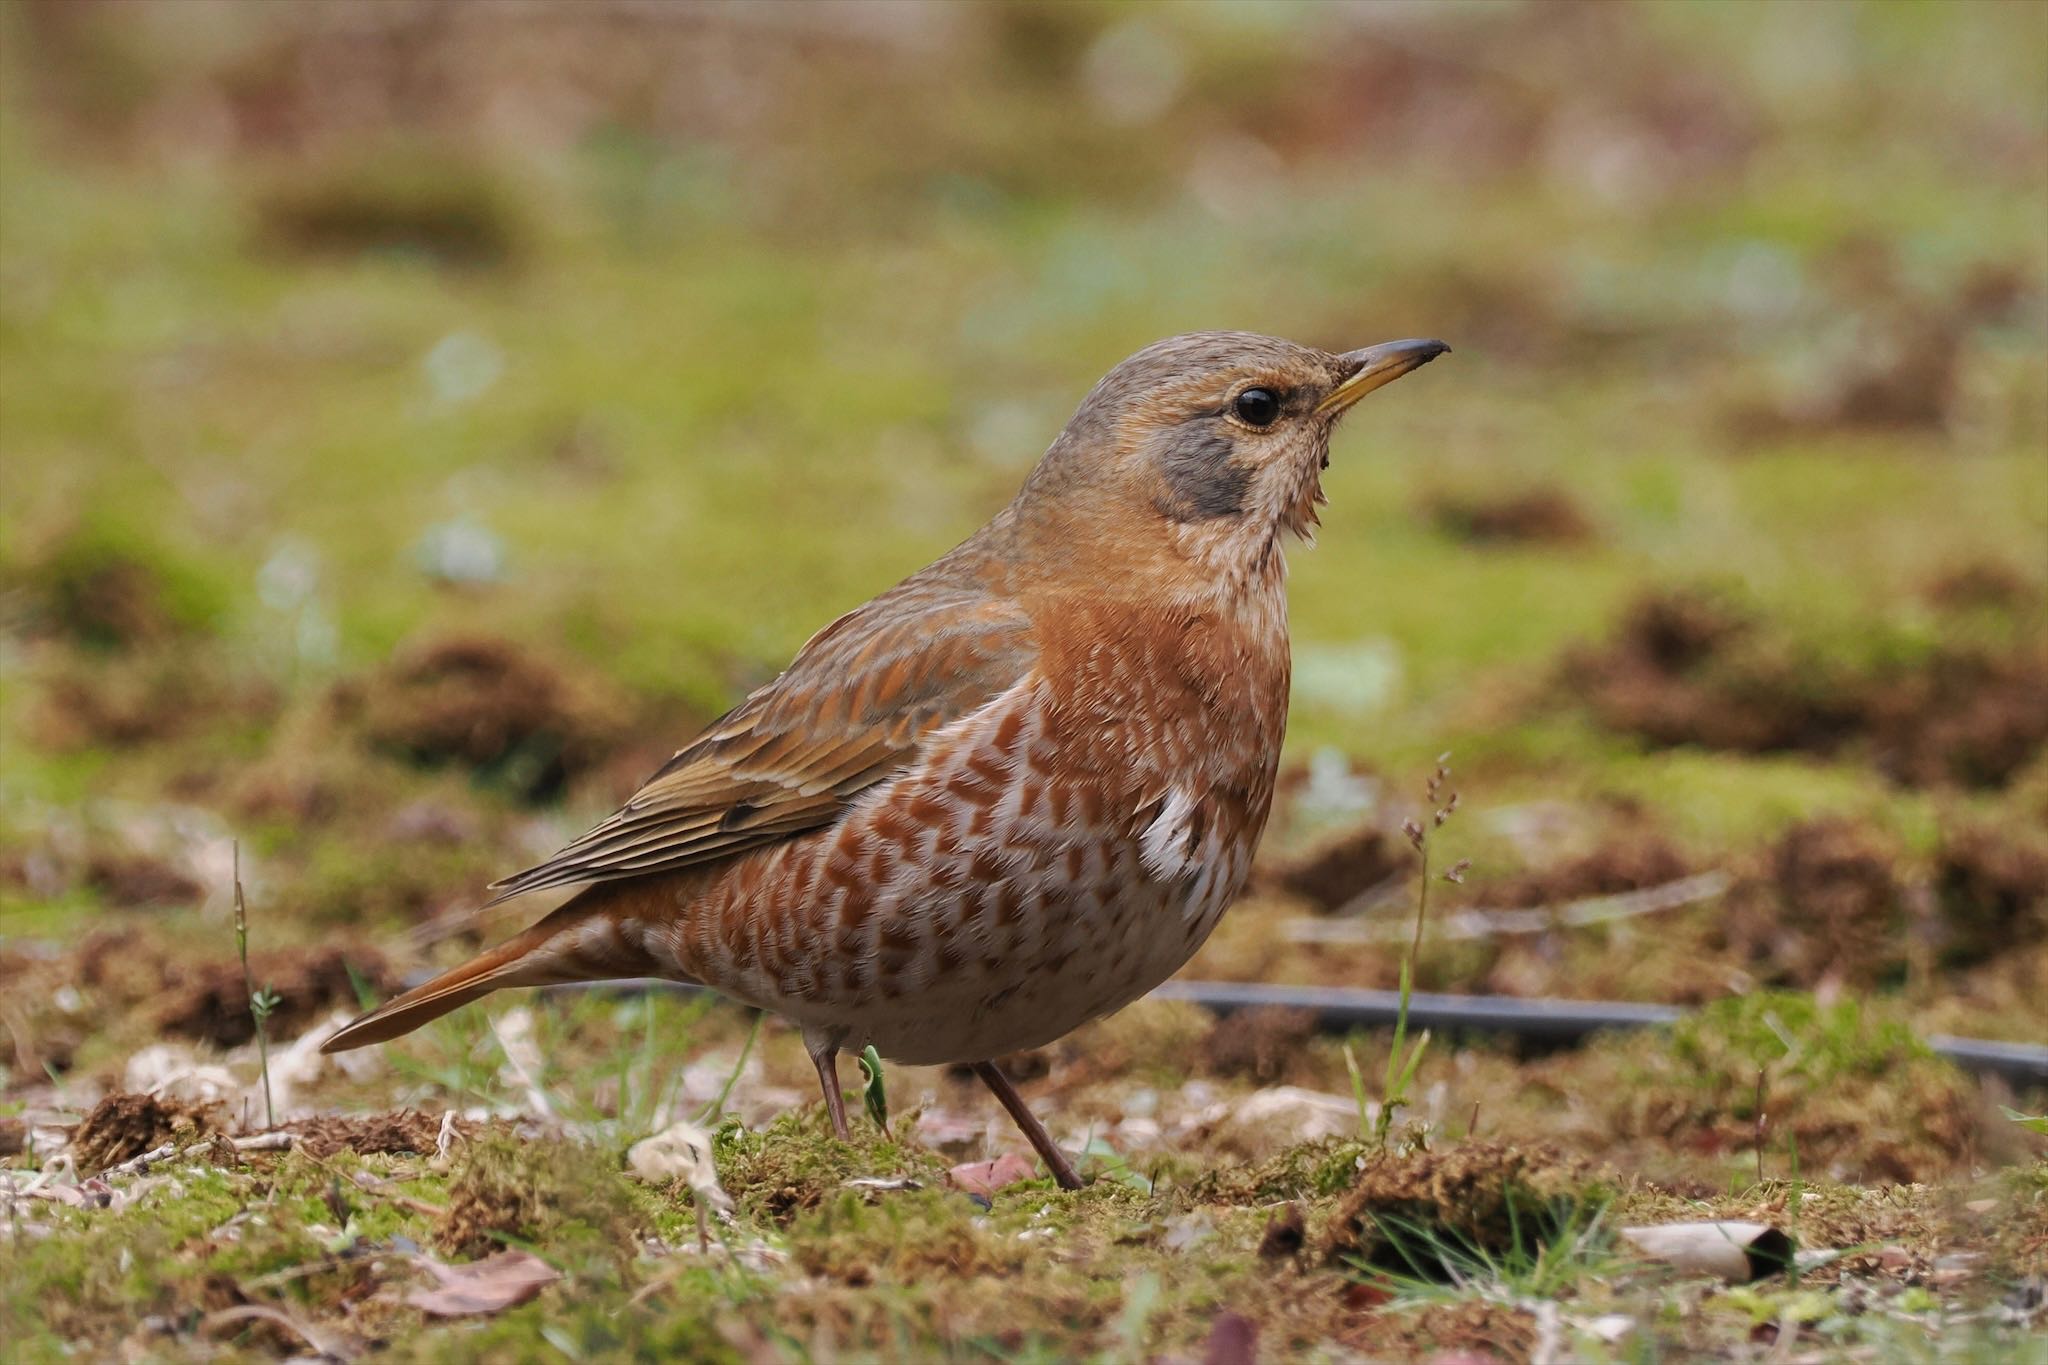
(853, 708)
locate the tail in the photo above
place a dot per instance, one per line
(582, 940)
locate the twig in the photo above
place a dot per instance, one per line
(1484, 923)
(1759, 1125)
(136, 1165)
(321, 1343)
(260, 1003)
(170, 1151)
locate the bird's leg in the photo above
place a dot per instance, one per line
(824, 1049)
(1041, 1141)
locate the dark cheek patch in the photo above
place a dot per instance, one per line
(1202, 481)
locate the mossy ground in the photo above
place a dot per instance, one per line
(397, 461)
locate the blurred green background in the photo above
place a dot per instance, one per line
(415, 418)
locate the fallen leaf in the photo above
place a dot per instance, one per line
(986, 1177)
(497, 1282)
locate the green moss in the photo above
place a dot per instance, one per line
(1795, 1035)
(97, 1271)
(1847, 1087)
(1309, 1170)
(565, 1197)
(795, 1164)
(108, 584)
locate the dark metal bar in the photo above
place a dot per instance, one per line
(1340, 1007)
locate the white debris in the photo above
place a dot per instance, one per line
(683, 1149)
(1268, 1120)
(174, 1071)
(299, 1065)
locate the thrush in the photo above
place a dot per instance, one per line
(1014, 792)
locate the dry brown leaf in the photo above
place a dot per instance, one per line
(495, 1283)
(986, 1177)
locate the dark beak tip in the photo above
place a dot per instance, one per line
(1411, 353)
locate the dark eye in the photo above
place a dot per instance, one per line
(1258, 407)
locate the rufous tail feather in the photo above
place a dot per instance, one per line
(550, 953)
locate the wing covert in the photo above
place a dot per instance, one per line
(852, 708)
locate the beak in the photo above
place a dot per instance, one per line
(1377, 366)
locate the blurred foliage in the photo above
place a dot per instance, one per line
(645, 338)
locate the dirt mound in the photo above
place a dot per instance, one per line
(396, 1133)
(1830, 902)
(492, 706)
(211, 1003)
(1900, 360)
(543, 1191)
(103, 588)
(1991, 887)
(137, 880)
(1689, 668)
(1257, 1043)
(156, 981)
(140, 697)
(124, 1126)
(399, 201)
(1431, 1211)
(1969, 714)
(1624, 861)
(1541, 516)
(1336, 871)
(1852, 1090)
(1982, 585)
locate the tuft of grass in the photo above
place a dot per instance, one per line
(1548, 1253)
(261, 1002)
(1402, 1060)
(1481, 1201)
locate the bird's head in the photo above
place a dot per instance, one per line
(1210, 443)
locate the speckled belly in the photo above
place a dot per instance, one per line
(978, 905)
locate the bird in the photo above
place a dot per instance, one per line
(1012, 793)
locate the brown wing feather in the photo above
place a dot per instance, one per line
(853, 708)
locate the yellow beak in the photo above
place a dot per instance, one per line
(1378, 366)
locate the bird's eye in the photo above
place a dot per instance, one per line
(1258, 407)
